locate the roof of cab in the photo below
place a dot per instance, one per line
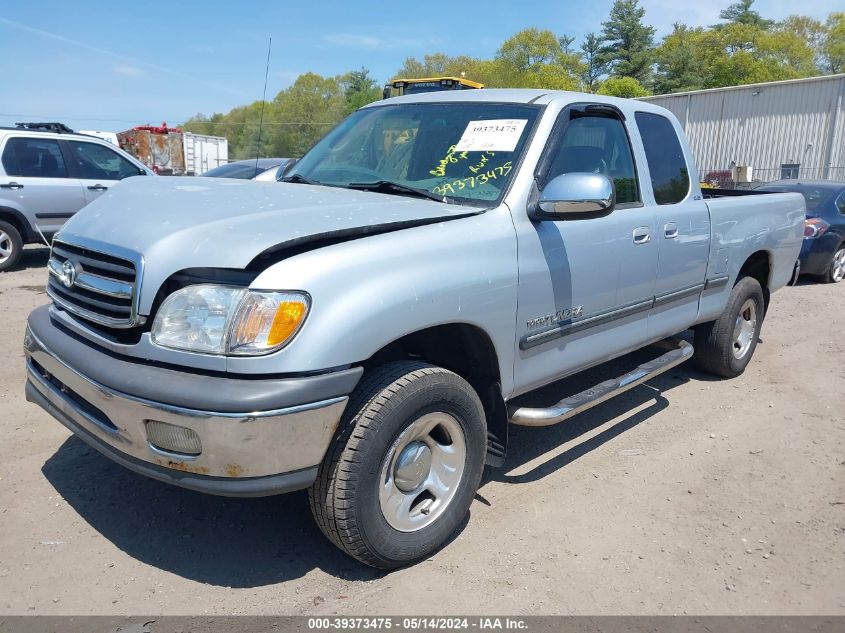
(517, 95)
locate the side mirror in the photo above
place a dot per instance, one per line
(285, 168)
(575, 195)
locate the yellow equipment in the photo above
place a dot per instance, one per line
(399, 87)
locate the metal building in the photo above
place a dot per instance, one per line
(782, 129)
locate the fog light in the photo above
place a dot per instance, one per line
(173, 439)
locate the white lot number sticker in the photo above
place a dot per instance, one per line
(496, 135)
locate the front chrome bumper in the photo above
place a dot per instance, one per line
(243, 454)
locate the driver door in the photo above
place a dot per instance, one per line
(586, 284)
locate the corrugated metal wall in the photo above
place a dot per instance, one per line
(766, 126)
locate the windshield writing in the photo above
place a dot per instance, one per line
(462, 151)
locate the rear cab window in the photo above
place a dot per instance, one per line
(33, 158)
(667, 166)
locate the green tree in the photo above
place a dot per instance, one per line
(359, 89)
(681, 60)
(813, 32)
(626, 87)
(529, 59)
(594, 65)
(530, 48)
(566, 43)
(538, 59)
(834, 44)
(742, 13)
(239, 126)
(305, 112)
(436, 65)
(256, 133)
(628, 43)
(788, 51)
(741, 54)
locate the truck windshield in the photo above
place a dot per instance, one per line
(464, 153)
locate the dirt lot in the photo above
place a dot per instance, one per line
(687, 495)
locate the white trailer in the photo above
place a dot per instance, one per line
(204, 152)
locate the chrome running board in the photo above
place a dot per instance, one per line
(679, 351)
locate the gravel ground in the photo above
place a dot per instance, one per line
(687, 495)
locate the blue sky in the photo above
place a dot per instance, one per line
(111, 65)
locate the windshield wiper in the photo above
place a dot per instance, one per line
(387, 186)
(296, 178)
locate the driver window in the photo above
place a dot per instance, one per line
(598, 145)
(96, 162)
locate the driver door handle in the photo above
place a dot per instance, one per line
(12, 185)
(642, 235)
(97, 187)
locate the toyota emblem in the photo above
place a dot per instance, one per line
(68, 276)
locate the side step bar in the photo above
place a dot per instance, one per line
(679, 351)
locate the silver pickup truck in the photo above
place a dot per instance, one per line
(369, 328)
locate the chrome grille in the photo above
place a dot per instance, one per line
(93, 285)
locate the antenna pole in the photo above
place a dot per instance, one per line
(263, 99)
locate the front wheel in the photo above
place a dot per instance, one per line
(404, 466)
(724, 347)
(836, 272)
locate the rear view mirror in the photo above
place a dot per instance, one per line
(575, 195)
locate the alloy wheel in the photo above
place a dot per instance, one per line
(422, 472)
(6, 246)
(745, 328)
(837, 271)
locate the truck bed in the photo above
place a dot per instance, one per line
(744, 223)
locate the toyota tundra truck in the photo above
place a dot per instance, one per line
(369, 327)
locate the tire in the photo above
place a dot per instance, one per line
(724, 347)
(383, 515)
(11, 246)
(836, 271)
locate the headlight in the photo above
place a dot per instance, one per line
(227, 320)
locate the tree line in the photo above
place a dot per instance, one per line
(622, 59)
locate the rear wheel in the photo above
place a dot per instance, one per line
(836, 272)
(724, 347)
(11, 246)
(405, 465)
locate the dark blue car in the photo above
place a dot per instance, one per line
(823, 252)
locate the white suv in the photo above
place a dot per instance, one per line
(48, 173)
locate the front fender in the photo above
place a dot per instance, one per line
(371, 291)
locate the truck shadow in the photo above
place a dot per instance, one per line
(247, 543)
(526, 445)
(215, 540)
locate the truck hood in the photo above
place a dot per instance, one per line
(177, 222)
